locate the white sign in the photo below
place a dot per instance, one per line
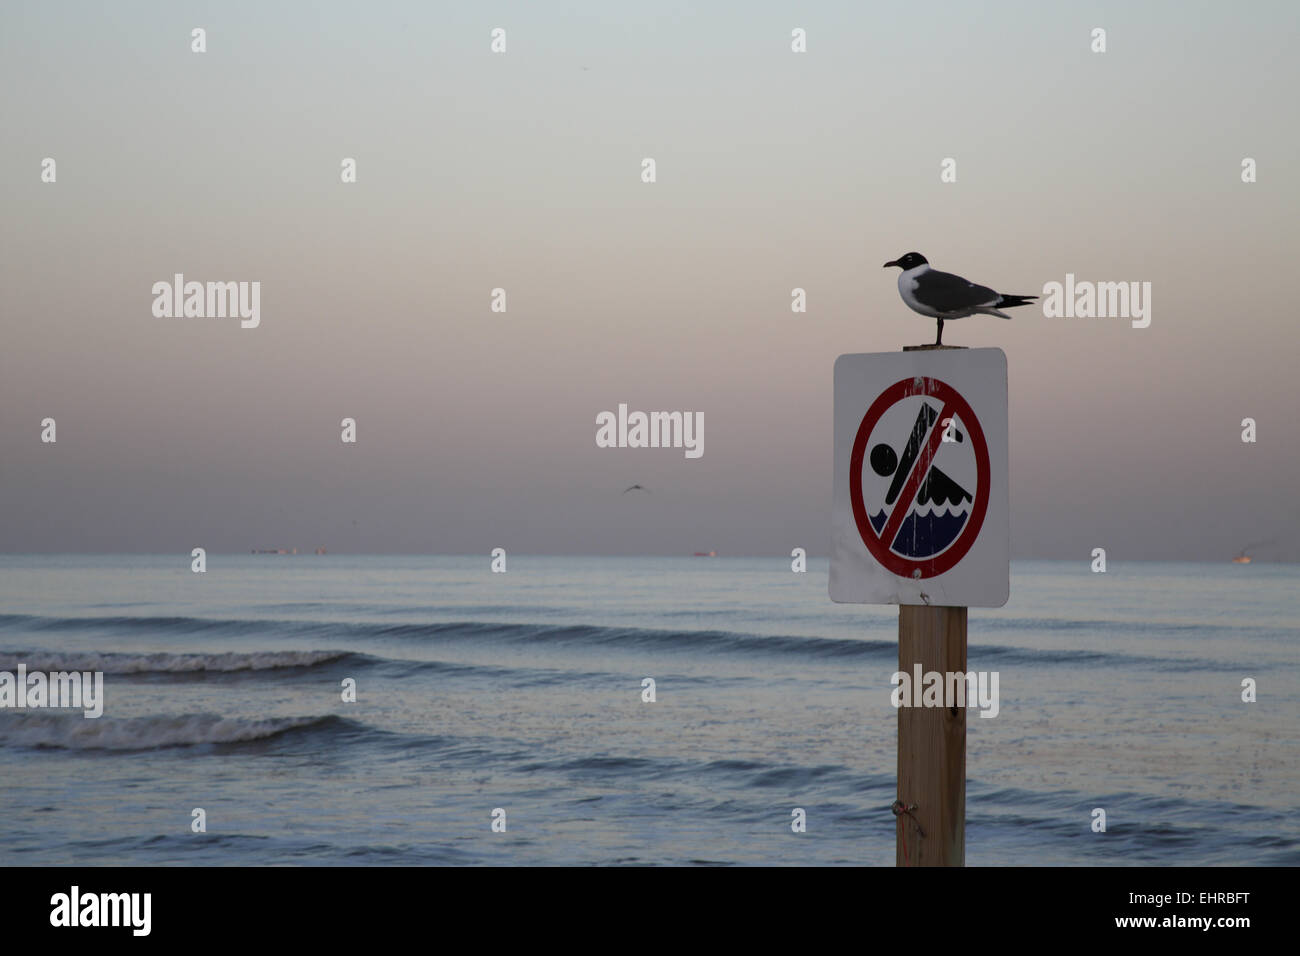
(920, 508)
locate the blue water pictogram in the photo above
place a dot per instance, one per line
(921, 535)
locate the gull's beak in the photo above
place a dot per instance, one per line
(891, 262)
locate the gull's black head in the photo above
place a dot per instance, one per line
(909, 261)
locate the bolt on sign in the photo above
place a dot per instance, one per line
(920, 512)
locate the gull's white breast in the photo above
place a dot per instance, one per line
(907, 286)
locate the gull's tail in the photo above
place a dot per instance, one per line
(1007, 301)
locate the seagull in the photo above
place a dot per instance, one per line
(942, 295)
(637, 488)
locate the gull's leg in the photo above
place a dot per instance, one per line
(939, 339)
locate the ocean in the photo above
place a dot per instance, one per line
(521, 692)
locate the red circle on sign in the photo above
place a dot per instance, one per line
(948, 397)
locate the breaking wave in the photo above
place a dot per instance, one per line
(164, 663)
(63, 732)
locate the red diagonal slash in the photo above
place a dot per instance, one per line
(919, 469)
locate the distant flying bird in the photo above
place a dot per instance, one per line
(637, 488)
(942, 295)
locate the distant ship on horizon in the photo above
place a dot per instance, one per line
(1242, 558)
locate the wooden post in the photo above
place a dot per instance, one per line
(931, 742)
(931, 807)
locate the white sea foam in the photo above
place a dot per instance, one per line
(163, 663)
(140, 733)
